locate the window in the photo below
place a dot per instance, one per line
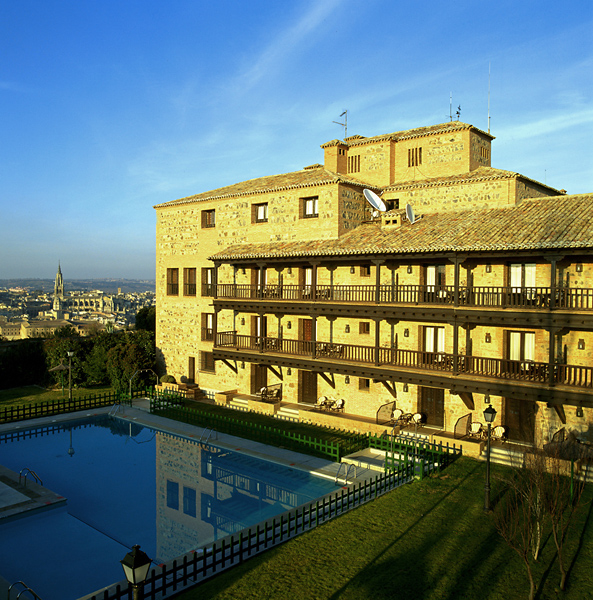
(484, 153)
(208, 218)
(364, 328)
(414, 157)
(365, 271)
(354, 164)
(207, 282)
(207, 327)
(392, 204)
(434, 339)
(189, 282)
(172, 495)
(521, 345)
(435, 277)
(189, 501)
(364, 384)
(207, 361)
(172, 282)
(522, 276)
(310, 207)
(260, 213)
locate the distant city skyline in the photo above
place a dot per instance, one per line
(114, 107)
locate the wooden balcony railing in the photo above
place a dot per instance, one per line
(479, 296)
(499, 368)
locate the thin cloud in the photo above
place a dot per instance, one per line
(285, 42)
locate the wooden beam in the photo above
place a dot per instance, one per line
(232, 367)
(468, 400)
(277, 373)
(390, 388)
(329, 379)
(559, 408)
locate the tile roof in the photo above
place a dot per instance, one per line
(308, 177)
(477, 175)
(540, 223)
(451, 126)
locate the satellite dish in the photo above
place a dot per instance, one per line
(411, 215)
(374, 200)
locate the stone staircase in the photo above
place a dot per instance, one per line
(287, 413)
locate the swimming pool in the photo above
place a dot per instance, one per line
(129, 484)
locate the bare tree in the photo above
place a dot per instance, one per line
(513, 518)
(561, 492)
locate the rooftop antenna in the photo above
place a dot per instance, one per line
(458, 113)
(411, 215)
(344, 124)
(489, 97)
(450, 106)
(376, 202)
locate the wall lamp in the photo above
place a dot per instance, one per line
(243, 270)
(579, 412)
(405, 387)
(406, 333)
(289, 325)
(289, 371)
(579, 268)
(488, 268)
(488, 338)
(410, 269)
(289, 270)
(581, 345)
(347, 379)
(242, 320)
(347, 329)
(352, 270)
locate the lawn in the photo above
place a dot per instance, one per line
(34, 394)
(429, 540)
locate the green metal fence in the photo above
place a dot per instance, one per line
(10, 414)
(402, 450)
(327, 443)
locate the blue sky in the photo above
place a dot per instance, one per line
(111, 107)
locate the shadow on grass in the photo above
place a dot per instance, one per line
(404, 579)
(13, 394)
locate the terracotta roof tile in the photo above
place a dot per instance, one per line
(539, 223)
(407, 134)
(310, 176)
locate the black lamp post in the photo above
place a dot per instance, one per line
(489, 416)
(70, 355)
(136, 565)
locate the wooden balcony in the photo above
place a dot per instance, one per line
(536, 298)
(574, 376)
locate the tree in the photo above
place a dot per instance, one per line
(95, 364)
(132, 353)
(513, 519)
(146, 318)
(561, 492)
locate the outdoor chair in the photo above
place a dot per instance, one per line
(321, 403)
(476, 430)
(338, 405)
(396, 415)
(499, 433)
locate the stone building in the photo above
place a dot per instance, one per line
(294, 279)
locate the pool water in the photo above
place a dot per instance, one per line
(127, 484)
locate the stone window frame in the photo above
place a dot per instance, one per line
(207, 363)
(310, 201)
(208, 218)
(354, 164)
(173, 281)
(189, 281)
(259, 212)
(415, 156)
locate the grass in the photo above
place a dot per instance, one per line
(33, 394)
(428, 541)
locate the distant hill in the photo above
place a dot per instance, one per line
(109, 286)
